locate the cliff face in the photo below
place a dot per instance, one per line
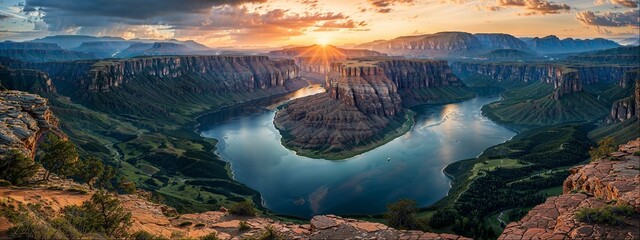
(24, 118)
(565, 79)
(361, 101)
(626, 108)
(364, 86)
(413, 74)
(604, 182)
(241, 73)
(25, 80)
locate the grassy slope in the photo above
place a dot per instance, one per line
(146, 128)
(513, 175)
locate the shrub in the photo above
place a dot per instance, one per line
(243, 226)
(610, 215)
(244, 208)
(185, 224)
(102, 214)
(605, 147)
(271, 234)
(402, 214)
(17, 169)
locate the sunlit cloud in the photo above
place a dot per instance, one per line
(626, 3)
(629, 18)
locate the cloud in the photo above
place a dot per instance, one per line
(629, 18)
(626, 3)
(385, 6)
(533, 7)
(241, 25)
(217, 19)
(4, 17)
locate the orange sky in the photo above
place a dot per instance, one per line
(247, 23)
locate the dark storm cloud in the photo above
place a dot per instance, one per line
(629, 18)
(4, 17)
(129, 9)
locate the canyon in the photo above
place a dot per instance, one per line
(318, 58)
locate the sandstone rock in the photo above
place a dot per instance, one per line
(600, 183)
(25, 119)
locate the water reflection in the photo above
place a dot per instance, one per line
(300, 186)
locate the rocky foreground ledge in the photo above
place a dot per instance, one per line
(164, 221)
(604, 182)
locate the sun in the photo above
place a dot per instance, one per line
(323, 41)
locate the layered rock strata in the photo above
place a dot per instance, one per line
(626, 108)
(24, 118)
(360, 103)
(604, 182)
(26, 80)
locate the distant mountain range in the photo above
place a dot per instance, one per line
(462, 44)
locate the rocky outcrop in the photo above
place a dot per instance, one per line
(25, 80)
(165, 222)
(361, 101)
(24, 118)
(603, 182)
(626, 108)
(415, 74)
(569, 82)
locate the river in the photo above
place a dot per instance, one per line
(410, 166)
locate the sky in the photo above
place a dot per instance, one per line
(260, 23)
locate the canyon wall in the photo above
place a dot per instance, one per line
(609, 181)
(26, 80)
(241, 73)
(24, 118)
(626, 108)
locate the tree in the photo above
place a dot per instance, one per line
(59, 156)
(126, 187)
(244, 208)
(605, 147)
(90, 170)
(104, 180)
(402, 214)
(103, 214)
(17, 168)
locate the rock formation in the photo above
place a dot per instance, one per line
(24, 118)
(603, 182)
(25, 80)
(361, 101)
(626, 108)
